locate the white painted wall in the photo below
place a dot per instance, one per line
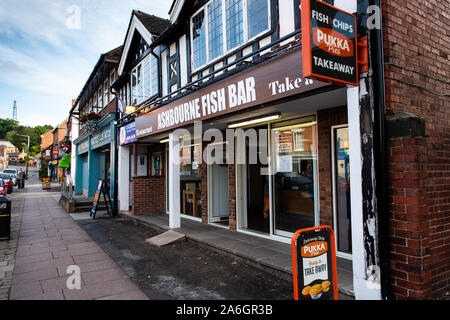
(183, 61)
(364, 289)
(174, 181)
(286, 14)
(123, 178)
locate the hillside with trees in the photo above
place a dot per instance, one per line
(11, 130)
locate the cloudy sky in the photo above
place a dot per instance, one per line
(48, 49)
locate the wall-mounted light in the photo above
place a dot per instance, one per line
(130, 109)
(254, 121)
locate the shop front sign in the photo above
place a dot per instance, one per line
(314, 264)
(329, 39)
(268, 81)
(127, 134)
(83, 146)
(101, 137)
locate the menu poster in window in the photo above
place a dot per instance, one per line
(142, 165)
(314, 264)
(284, 164)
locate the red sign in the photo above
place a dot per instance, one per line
(329, 43)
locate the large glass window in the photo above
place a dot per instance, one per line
(223, 25)
(294, 189)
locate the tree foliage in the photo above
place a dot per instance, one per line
(11, 130)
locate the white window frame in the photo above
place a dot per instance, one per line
(225, 50)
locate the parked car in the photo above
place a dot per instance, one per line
(7, 181)
(13, 173)
(3, 188)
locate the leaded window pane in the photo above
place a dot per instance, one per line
(199, 39)
(215, 33)
(234, 22)
(257, 17)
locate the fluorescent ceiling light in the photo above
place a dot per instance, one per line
(254, 121)
(164, 140)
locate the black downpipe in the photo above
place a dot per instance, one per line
(379, 139)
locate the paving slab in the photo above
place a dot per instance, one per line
(47, 241)
(166, 238)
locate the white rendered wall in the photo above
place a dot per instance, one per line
(123, 178)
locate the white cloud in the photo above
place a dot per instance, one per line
(41, 52)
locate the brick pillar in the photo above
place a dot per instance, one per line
(409, 215)
(204, 191)
(232, 196)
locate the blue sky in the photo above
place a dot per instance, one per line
(49, 48)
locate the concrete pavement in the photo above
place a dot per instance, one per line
(47, 246)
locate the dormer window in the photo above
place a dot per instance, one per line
(222, 25)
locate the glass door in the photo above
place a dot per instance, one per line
(341, 190)
(294, 156)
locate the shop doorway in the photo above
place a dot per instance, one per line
(341, 190)
(253, 187)
(218, 193)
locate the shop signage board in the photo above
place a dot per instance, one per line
(314, 264)
(329, 40)
(127, 134)
(101, 137)
(100, 189)
(268, 81)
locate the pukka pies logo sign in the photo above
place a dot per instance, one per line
(329, 43)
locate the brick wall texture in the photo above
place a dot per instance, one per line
(416, 39)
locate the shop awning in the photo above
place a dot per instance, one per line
(65, 162)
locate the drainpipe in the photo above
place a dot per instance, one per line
(379, 143)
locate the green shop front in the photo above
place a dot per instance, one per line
(95, 153)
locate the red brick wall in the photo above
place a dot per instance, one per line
(148, 195)
(416, 37)
(232, 196)
(326, 119)
(409, 218)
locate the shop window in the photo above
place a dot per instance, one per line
(223, 25)
(294, 184)
(190, 177)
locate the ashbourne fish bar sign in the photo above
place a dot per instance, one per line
(329, 39)
(314, 264)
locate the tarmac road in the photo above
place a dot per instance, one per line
(181, 271)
